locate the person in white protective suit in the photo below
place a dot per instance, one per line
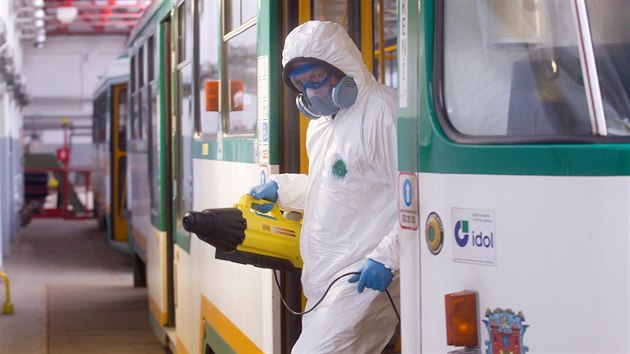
(348, 198)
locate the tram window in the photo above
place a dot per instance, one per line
(185, 97)
(99, 118)
(143, 94)
(144, 114)
(242, 78)
(141, 67)
(385, 62)
(500, 69)
(184, 32)
(135, 116)
(132, 90)
(238, 12)
(208, 66)
(151, 59)
(122, 119)
(134, 104)
(186, 114)
(343, 13)
(154, 172)
(514, 69)
(332, 10)
(611, 39)
(132, 71)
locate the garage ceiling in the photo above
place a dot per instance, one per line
(92, 16)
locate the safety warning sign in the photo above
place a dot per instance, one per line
(408, 200)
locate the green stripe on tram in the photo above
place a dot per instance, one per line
(234, 150)
(441, 156)
(214, 341)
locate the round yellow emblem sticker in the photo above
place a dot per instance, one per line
(434, 233)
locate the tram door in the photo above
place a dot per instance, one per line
(119, 163)
(516, 122)
(373, 27)
(168, 121)
(184, 120)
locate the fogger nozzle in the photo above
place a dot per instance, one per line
(222, 228)
(195, 221)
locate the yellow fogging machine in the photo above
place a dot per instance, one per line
(243, 235)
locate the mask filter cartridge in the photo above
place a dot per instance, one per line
(343, 95)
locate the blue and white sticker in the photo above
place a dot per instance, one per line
(408, 200)
(473, 236)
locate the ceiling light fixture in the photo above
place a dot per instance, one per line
(67, 14)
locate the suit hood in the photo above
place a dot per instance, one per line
(328, 42)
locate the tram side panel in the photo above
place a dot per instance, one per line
(223, 305)
(233, 302)
(138, 201)
(551, 248)
(519, 203)
(147, 192)
(243, 294)
(101, 153)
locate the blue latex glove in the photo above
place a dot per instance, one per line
(267, 191)
(373, 275)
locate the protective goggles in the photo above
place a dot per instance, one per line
(309, 76)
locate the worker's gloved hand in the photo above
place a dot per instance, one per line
(373, 275)
(267, 191)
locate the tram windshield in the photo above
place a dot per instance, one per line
(516, 68)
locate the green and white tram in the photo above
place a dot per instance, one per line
(209, 119)
(513, 151)
(514, 133)
(109, 129)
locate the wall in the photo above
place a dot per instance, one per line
(62, 78)
(10, 132)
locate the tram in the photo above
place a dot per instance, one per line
(109, 128)
(514, 130)
(514, 144)
(209, 118)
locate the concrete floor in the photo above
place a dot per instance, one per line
(72, 293)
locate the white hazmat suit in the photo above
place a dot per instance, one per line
(349, 199)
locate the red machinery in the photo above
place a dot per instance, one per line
(53, 189)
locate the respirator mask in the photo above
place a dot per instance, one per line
(323, 88)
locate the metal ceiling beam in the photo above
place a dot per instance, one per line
(89, 16)
(92, 5)
(58, 117)
(94, 16)
(66, 32)
(53, 122)
(50, 126)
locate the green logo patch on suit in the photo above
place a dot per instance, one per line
(339, 169)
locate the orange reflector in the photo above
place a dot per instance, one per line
(237, 95)
(212, 96)
(461, 319)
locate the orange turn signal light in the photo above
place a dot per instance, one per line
(237, 92)
(461, 319)
(212, 96)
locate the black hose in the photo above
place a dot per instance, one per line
(325, 293)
